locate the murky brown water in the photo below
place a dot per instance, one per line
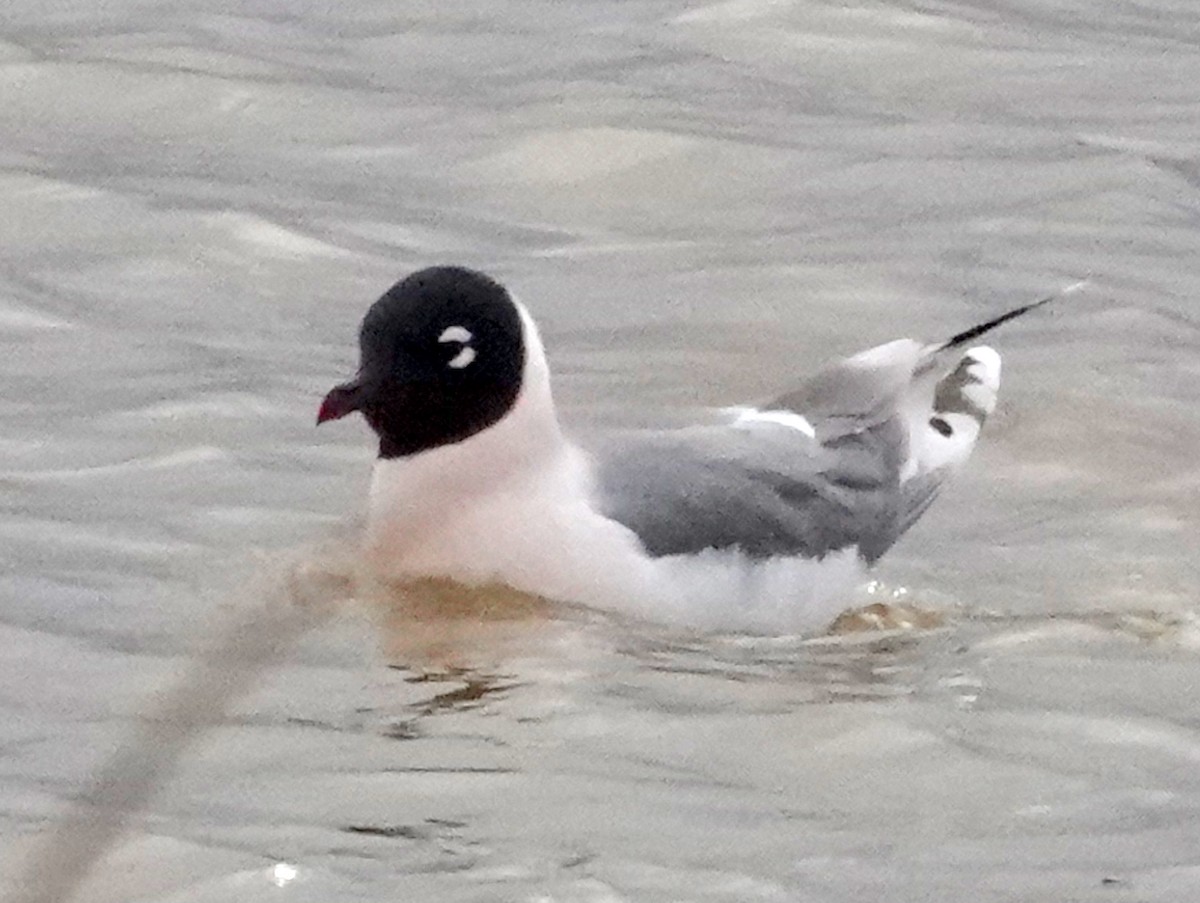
(698, 201)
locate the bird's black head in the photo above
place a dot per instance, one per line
(441, 359)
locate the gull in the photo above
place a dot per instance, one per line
(763, 521)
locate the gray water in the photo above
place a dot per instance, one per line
(700, 203)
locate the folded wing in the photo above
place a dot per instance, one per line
(850, 458)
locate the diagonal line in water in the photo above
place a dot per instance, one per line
(59, 862)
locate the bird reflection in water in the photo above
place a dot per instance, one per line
(440, 624)
(455, 638)
(439, 632)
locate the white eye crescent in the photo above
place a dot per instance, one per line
(462, 336)
(463, 358)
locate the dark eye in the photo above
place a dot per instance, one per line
(459, 335)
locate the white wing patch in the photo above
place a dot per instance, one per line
(985, 368)
(462, 336)
(790, 419)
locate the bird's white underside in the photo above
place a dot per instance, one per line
(789, 419)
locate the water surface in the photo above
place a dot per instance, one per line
(700, 202)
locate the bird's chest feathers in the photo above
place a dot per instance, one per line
(475, 525)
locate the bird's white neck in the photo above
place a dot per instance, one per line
(420, 492)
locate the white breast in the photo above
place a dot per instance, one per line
(533, 531)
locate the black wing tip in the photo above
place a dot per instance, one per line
(976, 331)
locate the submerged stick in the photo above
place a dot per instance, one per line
(218, 677)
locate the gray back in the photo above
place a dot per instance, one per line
(852, 395)
(768, 489)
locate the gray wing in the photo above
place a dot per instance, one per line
(773, 490)
(770, 490)
(767, 490)
(861, 391)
